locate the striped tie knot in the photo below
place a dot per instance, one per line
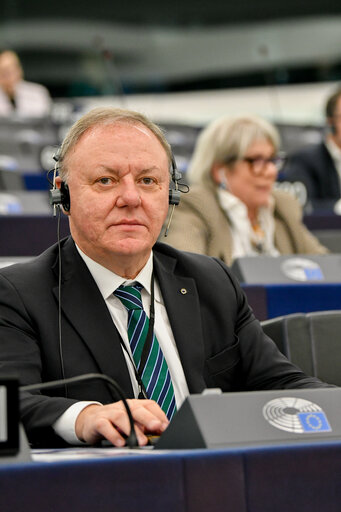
(130, 296)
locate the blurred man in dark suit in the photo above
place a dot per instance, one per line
(318, 166)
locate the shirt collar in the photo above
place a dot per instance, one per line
(107, 281)
(234, 207)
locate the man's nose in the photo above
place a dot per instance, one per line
(128, 194)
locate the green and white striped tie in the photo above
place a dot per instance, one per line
(155, 375)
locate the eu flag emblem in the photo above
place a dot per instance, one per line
(313, 274)
(314, 422)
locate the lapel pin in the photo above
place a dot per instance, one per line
(183, 291)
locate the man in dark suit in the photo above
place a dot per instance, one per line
(114, 185)
(318, 166)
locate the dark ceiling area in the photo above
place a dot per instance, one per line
(83, 48)
(153, 12)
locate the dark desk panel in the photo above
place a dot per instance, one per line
(36, 181)
(123, 484)
(281, 479)
(271, 300)
(316, 221)
(294, 480)
(293, 298)
(29, 235)
(173, 482)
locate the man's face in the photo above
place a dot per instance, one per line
(118, 181)
(10, 72)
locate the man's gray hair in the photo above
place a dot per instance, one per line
(226, 140)
(105, 117)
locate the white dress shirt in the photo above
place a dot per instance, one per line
(107, 283)
(244, 240)
(32, 100)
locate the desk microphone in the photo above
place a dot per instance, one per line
(131, 439)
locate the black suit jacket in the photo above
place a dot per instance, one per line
(314, 166)
(220, 342)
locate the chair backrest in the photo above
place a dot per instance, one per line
(312, 341)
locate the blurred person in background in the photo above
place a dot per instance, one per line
(17, 96)
(232, 209)
(318, 166)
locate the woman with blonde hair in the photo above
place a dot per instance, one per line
(232, 209)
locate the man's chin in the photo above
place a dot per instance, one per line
(130, 246)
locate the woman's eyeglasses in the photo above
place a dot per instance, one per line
(258, 163)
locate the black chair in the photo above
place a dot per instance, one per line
(312, 341)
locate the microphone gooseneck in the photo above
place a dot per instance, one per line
(131, 439)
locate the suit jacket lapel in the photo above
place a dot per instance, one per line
(182, 303)
(328, 170)
(85, 309)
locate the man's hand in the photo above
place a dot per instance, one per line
(96, 422)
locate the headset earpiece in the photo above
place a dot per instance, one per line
(174, 197)
(59, 196)
(65, 193)
(174, 193)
